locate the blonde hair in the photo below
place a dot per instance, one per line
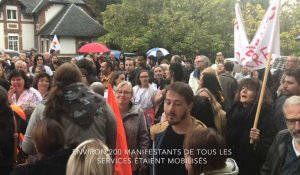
(219, 114)
(90, 158)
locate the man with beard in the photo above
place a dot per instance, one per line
(55, 62)
(168, 136)
(284, 154)
(290, 86)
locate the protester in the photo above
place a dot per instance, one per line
(42, 83)
(117, 77)
(143, 94)
(3, 78)
(134, 122)
(131, 72)
(219, 59)
(21, 94)
(6, 134)
(200, 63)
(239, 127)
(98, 88)
(88, 67)
(228, 84)
(219, 116)
(39, 60)
(52, 157)
(159, 77)
(107, 69)
(243, 74)
(283, 155)
(175, 73)
(209, 80)
(82, 113)
(214, 163)
(290, 86)
(169, 135)
(82, 162)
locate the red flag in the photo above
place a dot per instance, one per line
(121, 143)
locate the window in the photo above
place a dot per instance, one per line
(11, 13)
(13, 42)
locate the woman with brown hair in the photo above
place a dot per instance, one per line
(205, 153)
(219, 115)
(143, 94)
(52, 156)
(42, 83)
(209, 79)
(82, 113)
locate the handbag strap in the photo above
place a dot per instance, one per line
(15, 136)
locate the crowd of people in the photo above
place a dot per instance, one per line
(197, 117)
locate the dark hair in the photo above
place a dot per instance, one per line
(138, 81)
(189, 60)
(48, 136)
(211, 82)
(151, 57)
(228, 65)
(177, 69)
(35, 62)
(207, 139)
(110, 64)
(3, 97)
(294, 73)
(130, 59)
(37, 79)
(141, 54)
(87, 65)
(182, 89)
(255, 85)
(65, 75)
(114, 76)
(22, 74)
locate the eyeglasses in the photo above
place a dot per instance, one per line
(119, 92)
(292, 121)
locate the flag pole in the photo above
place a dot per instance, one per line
(262, 94)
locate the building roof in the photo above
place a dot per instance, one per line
(72, 21)
(30, 4)
(33, 6)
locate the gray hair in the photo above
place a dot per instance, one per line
(206, 60)
(293, 100)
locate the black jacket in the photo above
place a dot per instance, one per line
(249, 157)
(6, 139)
(48, 165)
(277, 154)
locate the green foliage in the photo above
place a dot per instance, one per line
(290, 29)
(253, 14)
(181, 26)
(190, 26)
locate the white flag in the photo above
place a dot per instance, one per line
(265, 41)
(54, 44)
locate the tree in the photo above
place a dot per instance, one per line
(181, 26)
(290, 28)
